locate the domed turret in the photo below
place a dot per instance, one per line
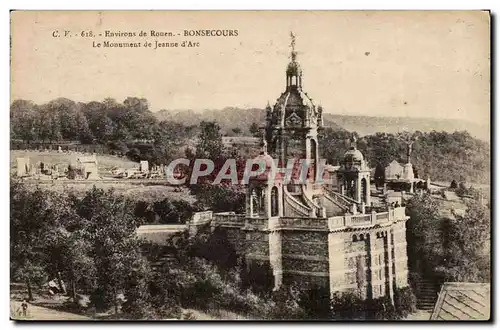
(353, 158)
(353, 155)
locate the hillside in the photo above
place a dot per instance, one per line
(366, 125)
(230, 118)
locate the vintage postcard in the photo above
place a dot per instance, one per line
(250, 165)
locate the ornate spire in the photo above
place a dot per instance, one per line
(293, 53)
(293, 71)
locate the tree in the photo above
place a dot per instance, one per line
(236, 130)
(379, 175)
(254, 130)
(30, 224)
(23, 120)
(467, 246)
(424, 235)
(82, 128)
(209, 144)
(108, 223)
(333, 144)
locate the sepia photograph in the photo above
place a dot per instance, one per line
(250, 165)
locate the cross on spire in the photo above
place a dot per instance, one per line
(293, 53)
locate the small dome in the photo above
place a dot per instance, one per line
(267, 161)
(353, 154)
(293, 69)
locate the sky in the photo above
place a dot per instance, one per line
(418, 64)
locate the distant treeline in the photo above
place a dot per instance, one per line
(128, 127)
(440, 155)
(131, 129)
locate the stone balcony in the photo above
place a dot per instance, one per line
(312, 224)
(367, 220)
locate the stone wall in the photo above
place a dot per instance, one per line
(300, 251)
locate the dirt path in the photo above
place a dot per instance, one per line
(36, 313)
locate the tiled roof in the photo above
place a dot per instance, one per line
(463, 301)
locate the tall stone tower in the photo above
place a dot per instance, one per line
(292, 123)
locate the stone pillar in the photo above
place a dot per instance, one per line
(267, 201)
(367, 193)
(390, 278)
(363, 208)
(336, 261)
(275, 252)
(371, 251)
(249, 200)
(411, 187)
(358, 190)
(385, 188)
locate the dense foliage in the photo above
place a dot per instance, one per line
(455, 249)
(227, 195)
(128, 127)
(441, 156)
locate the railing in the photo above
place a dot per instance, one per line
(346, 200)
(358, 220)
(229, 219)
(370, 219)
(201, 217)
(310, 203)
(337, 200)
(261, 223)
(382, 216)
(296, 205)
(318, 223)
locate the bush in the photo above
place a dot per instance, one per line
(405, 301)
(315, 301)
(284, 305)
(347, 306)
(380, 309)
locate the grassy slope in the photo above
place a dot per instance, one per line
(105, 162)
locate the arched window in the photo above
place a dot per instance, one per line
(274, 202)
(314, 153)
(254, 203)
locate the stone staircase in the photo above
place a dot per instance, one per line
(427, 292)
